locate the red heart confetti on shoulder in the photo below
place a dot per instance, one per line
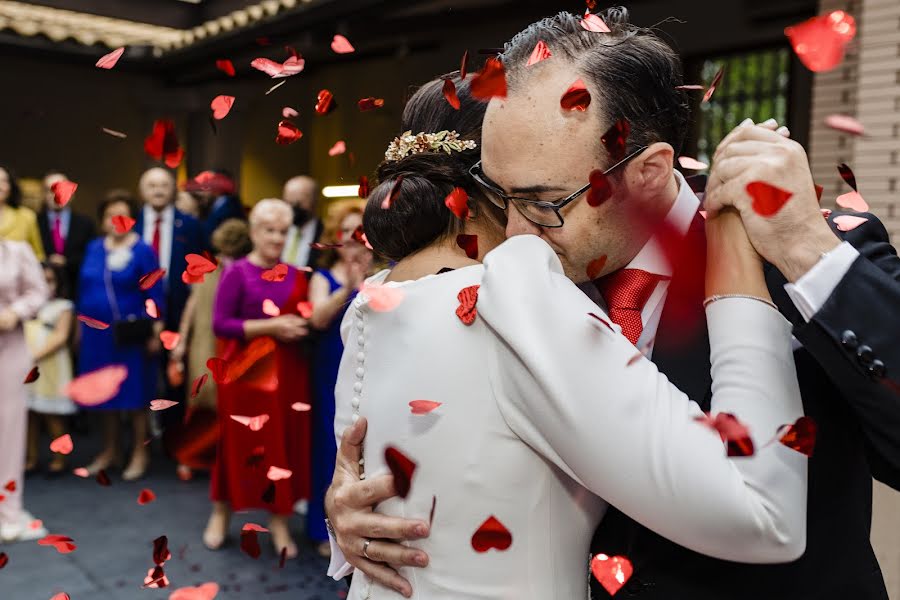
(615, 140)
(469, 243)
(594, 23)
(97, 386)
(341, 45)
(370, 103)
(33, 375)
(732, 431)
(123, 224)
(541, 52)
(221, 106)
(577, 97)
(767, 198)
(848, 222)
(146, 497)
(490, 82)
(801, 436)
(845, 124)
(458, 202)
(468, 298)
(250, 544)
(382, 298)
(149, 280)
(491, 534)
(402, 468)
(288, 133)
(325, 102)
(595, 267)
(109, 61)
(853, 201)
(601, 188)
(226, 66)
(712, 86)
(612, 572)
(449, 91)
(423, 407)
(392, 195)
(63, 191)
(820, 42)
(63, 444)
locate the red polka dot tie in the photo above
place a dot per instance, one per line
(626, 292)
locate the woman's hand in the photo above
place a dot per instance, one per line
(288, 328)
(8, 320)
(154, 344)
(732, 264)
(177, 353)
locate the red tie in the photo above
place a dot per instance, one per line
(626, 292)
(155, 242)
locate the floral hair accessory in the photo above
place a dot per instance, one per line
(442, 141)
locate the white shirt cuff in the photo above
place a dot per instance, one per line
(812, 290)
(338, 567)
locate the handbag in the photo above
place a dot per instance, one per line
(131, 331)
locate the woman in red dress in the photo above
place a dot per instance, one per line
(263, 458)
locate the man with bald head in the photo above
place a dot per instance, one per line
(302, 193)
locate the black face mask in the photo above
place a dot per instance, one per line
(301, 215)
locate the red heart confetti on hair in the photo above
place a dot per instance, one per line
(288, 68)
(288, 133)
(169, 339)
(801, 436)
(109, 61)
(853, 201)
(149, 280)
(392, 195)
(254, 423)
(490, 82)
(10, 485)
(93, 323)
(370, 103)
(820, 42)
(270, 308)
(221, 106)
(218, 367)
(198, 384)
(612, 572)
(62, 543)
(162, 143)
(458, 202)
(161, 550)
(205, 591)
(103, 479)
(63, 444)
(250, 544)
(325, 102)
(4, 559)
(848, 222)
(382, 298)
(595, 267)
(146, 497)
(277, 473)
(848, 176)
(123, 224)
(63, 191)
(33, 375)
(692, 164)
(449, 92)
(469, 243)
(301, 407)
(601, 188)
(423, 407)
(577, 97)
(541, 52)
(97, 386)
(767, 198)
(591, 22)
(712, 86)
(156, 578)
(732, 431)
(464, 65)
(339, 147)
(151, 308)
(845, 124)
(226, 66)
(468, 298)
(162, 404)
(402, 468)
(276, 273)
(341, 45)
(491, 534)
(615, 140)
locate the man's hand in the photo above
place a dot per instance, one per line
(8, 320)
(794, 238)
(57, 259)
(350, 504)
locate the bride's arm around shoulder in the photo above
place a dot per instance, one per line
(573, 388)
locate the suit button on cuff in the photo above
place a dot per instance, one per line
(877, 369)
(865, 355)
(849, 340)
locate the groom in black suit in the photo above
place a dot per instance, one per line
(840, 289)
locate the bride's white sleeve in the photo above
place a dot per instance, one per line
(564, 384)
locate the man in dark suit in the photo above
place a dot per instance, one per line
(218, 200)
(64, 233)
(302, 193)
(841, 296)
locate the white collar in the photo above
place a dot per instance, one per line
(167, 214)
(652, 258)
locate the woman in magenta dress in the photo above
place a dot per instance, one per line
(263, 459)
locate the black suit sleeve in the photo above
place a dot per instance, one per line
(855, 336)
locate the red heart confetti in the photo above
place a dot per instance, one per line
(576, 98)
(449, 92)
(339, 148)
(468, 298)
(277, 473)
(767, 198)
(254, 423)
(325, 102)
(254, 527)
(250, 544)
(321, 246)
(853, 201)
(97, 386)
(367, 104)
(423, 407)
(109, 61)
(301, 407)
(103, 479)
(63, 191)
(595, 267)
(162, 404)
(276, 273)
(712, 86)
(848, 222)
(689, 87)
(288, 133)
(594, 23)
(691, 164)
(291, 66)
(33, 375)
(10, 485)
(161, 551)
(341, 45)
(491, 534)
(61, 596)
(270, 308)
(469, 243)
(845, 124)
(392, 196)
(612, 572)
(123, 224)
(205, 591)
(198, 264)
(819, 191)
(151, 308)
(458, 202)
(801, 436)
(382, 298)
(81, 472)
(615, 139)
(540, 53)
(198, 384)
(4, 559)
(93, 323)
(62, 543)
(162, 143)
(601, 188)
(848, 176)
(218, 367)
(305, 309)
(156, 578)
(464, 65)
(169, 339)
(363, 191)
(820, 42)
(149, 280)
(289, 113)
(221, 106)
(63, 444)
(402, 468)
(226, 66)
(146, 497)
(732, 431)
(490, 82)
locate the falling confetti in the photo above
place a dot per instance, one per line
(123, 224)
(63, 444)
(305, 309)
(363, 191)
(848, 222)
(853, 201)
(63, 191)
(277, 473)
(205, 591)
(33, 375)
(458, 203)
(402, 469)
(324, 102)
(169, 339)
(149, 280)
(423, 407)
(93, 323)
(801, 436)
(270, 308)
(341, 45)
(601, 188)
(109, 61)
(540, 53)
(197, 385)
(845, 124)
(393, 194)
(162, 143)
(490, 82)
(339, 148)
(253, 423)
(146, 497)
(820, 42)
(288, 68)
(691, 164)
(612, 572)
(62, 543)
(847, 175)
(732, 431)
(114, 133)
(250, 544)
(221, 106)
(97, 386)
(151, 308)
(712, 86)
(162, 404)
(450, 95)
(226, 66)
(370, 103)
(591, 22)
(767, 198)
(288, 133)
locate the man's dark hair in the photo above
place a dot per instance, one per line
(15, 192)
(635, 71)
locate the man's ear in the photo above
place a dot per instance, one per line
(653, 167)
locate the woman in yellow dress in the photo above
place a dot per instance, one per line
(17, 223)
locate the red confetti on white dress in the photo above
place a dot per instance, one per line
(423, 407)
(221, 106)
(146, 497)
(849, 222)
(63, 444)
(845, 124)
(732, 431)
(541, 52)
(277, 473)
(801, 436)
(97, 386)
(853, 201)
(491, 534)
(692, 164)
(402, 468)
(162, 404)
(206, 591)
(577, 97)
(612, 572)
(339, 148)
(109, 61)
(820, 42)
(490, 82)
(288, 68)
(468, 299)
(594, 23)
(226, 66)
(254, 423)
(382, 298)
(342, 45)
(767, 198)
(63, 191)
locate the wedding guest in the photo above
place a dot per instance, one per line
(187, 203)
(262, 462)
(17, 222)
(65, 233)
(302, 193)
(194, 445)
(217, 197)
(110, 292)
(48, 341)
(22, 292)
(331, 289)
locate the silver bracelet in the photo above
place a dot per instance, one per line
(715, 297)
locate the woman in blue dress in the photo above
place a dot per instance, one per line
(331, 290)
(110, 292)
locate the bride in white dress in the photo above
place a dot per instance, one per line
(525, 417)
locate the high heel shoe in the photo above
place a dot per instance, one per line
(101, 463)
(216, 533)
(136, 469)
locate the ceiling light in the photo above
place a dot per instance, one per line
(341, 191)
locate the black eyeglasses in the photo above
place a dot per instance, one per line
(539, 212)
